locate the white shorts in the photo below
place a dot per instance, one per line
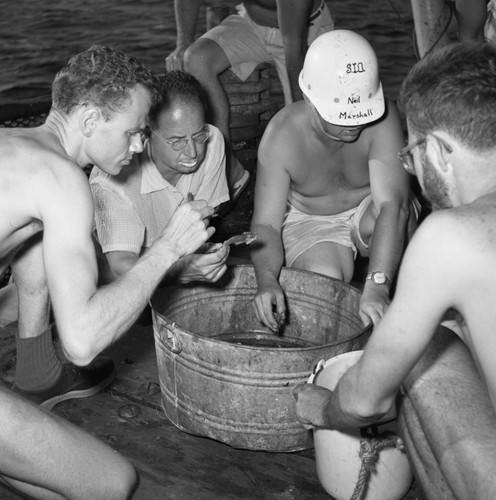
(247, 44)
(301, 231)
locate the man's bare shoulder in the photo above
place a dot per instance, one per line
(37, 172)
(478, 217)
(40, 186)
(287, 126)
(34, 151)
(453, 232)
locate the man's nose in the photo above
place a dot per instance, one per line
(137, 145)
(190, 149)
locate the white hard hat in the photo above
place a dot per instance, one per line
(340, 77)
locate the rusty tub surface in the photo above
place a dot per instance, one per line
(225, 376)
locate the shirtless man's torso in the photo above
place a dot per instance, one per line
(329, 181)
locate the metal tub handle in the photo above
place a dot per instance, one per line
(171, 339)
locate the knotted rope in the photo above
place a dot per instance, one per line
(370, 447)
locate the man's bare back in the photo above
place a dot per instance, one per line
(466, 235)
(33, 167)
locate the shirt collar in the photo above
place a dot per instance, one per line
(151, 179)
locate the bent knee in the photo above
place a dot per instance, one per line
(336, 272)
(124, 481)
(205, 57)
(328, 258)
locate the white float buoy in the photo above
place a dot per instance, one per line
(337, 453)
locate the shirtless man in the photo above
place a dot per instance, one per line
(263, 30)
(329, 183)
(101, 99)
(450, 261)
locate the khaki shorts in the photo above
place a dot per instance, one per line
(247, 44)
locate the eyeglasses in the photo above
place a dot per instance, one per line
(179, 144)
(406, 157)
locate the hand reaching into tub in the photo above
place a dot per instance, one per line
(269, 304)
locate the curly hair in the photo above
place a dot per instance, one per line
(100, 76)
(173, 87)
(454, 89)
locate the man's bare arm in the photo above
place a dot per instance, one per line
(195, 267)
(390, 188)
(367, 391)
(186, 13)
(89, 319)
(271, 196)
(293, 22)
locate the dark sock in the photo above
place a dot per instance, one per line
(37, 364)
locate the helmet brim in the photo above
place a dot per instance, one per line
(349, 115)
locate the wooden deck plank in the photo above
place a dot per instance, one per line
(173, 464)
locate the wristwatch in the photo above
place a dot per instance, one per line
(379, 278)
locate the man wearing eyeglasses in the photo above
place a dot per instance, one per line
(184, 159)
(449, 100)
(277, 31)
(329, 183)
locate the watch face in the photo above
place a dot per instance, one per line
(379, 278)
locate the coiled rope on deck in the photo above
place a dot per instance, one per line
(370, 448)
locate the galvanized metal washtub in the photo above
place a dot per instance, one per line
(238, 390)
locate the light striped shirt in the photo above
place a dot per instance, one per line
(133, 208)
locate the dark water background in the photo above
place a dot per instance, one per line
(37, 37)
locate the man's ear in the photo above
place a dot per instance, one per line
(441, 150)
(88, 121)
